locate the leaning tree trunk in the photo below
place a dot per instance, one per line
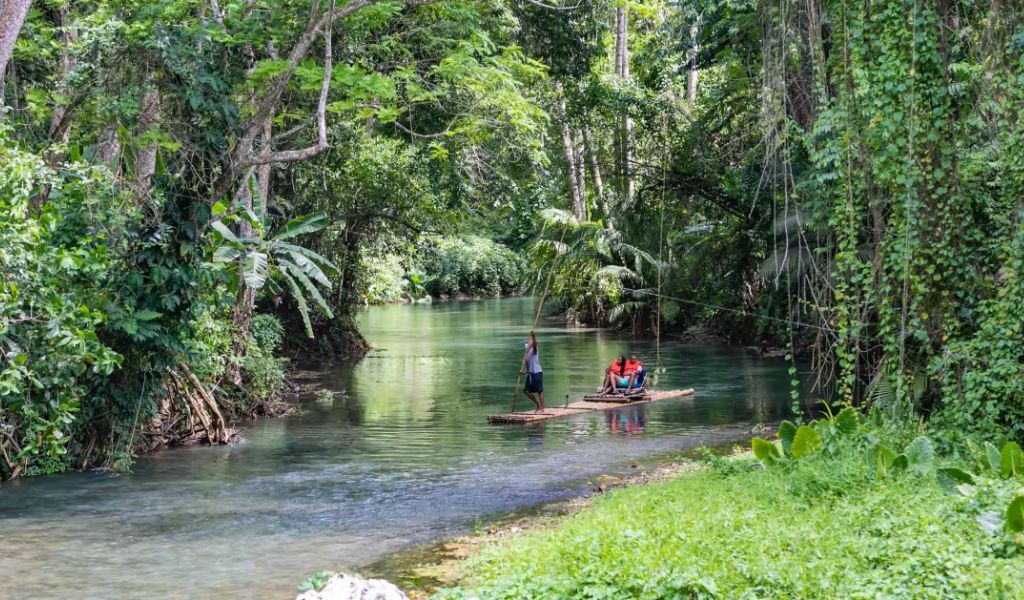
(579, 208)
(12, 17)
(595, 171)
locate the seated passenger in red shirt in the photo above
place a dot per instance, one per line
(632, 372)
(613, 375)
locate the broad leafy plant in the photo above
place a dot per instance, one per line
(273, 262)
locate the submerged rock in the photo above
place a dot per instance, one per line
(344, 587)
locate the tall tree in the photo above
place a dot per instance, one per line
(626, 131)
(12, 17)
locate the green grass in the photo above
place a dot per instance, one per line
(821, 527)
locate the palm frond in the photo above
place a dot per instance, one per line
(625, 310)
(620, 274)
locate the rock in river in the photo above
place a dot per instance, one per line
(344, 587)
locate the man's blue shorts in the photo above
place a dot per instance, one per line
(535, 383)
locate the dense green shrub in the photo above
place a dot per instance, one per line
(983, 375)
(264, 373)
(470, 265)
(208, 343)
(51, 307)
(93, 311)
(384, 279)
(443, 267)
(209, 349)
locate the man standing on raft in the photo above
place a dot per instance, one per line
(534, 376)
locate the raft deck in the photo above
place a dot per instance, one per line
(590, 403)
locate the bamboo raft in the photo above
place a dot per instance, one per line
(591, 403)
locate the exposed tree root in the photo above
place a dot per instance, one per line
(188, 414)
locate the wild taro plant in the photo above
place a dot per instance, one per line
(998, 468)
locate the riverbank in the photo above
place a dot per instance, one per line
(828, 525)
(424, 570)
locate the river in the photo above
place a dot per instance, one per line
(400, 455)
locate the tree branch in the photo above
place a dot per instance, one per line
(553, 6)
(264, 108)
(321, 114)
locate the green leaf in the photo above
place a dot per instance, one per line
(226, 254)
(787, 431)
(765, 451)
(302, 225)
(249, 216)
(875, 416)
(310, 287)
(1015, 515)
(219, 208)
(1011, 460)
(327, 266)
(920, 454)
(311, 269)
(951, 477)
(847, 421)
(146, 315)
(883, 458)
(301, 301)
(226, 233)
(901, 462)
(994, 457)
(254, 270)
(806, 441)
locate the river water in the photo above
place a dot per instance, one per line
(401, 455)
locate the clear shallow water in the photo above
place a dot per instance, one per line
(401, 455)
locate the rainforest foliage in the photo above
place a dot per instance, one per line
(186, 183)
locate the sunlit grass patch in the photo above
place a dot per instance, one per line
(825, 527)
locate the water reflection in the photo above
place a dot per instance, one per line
(400, 454)
(631, 420)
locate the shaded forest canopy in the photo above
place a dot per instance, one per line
(185, 182)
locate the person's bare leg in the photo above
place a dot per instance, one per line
(609, 384)
(532, 398)
(540, 408)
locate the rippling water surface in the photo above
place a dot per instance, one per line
(401, 455)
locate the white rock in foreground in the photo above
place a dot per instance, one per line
(343, 587)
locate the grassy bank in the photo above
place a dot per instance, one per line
(833, 523)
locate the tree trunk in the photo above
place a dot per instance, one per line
(341, 335)
(108, 148)
(12, 17)
(626, 133)
(145, 157)
(579, 208)
(60, 130)
(595, 171)
(581, 180)
(245, 300)
(263, 173)
(60, 120)
(691, 83)
(620, 39)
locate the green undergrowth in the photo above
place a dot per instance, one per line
(828, 524)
